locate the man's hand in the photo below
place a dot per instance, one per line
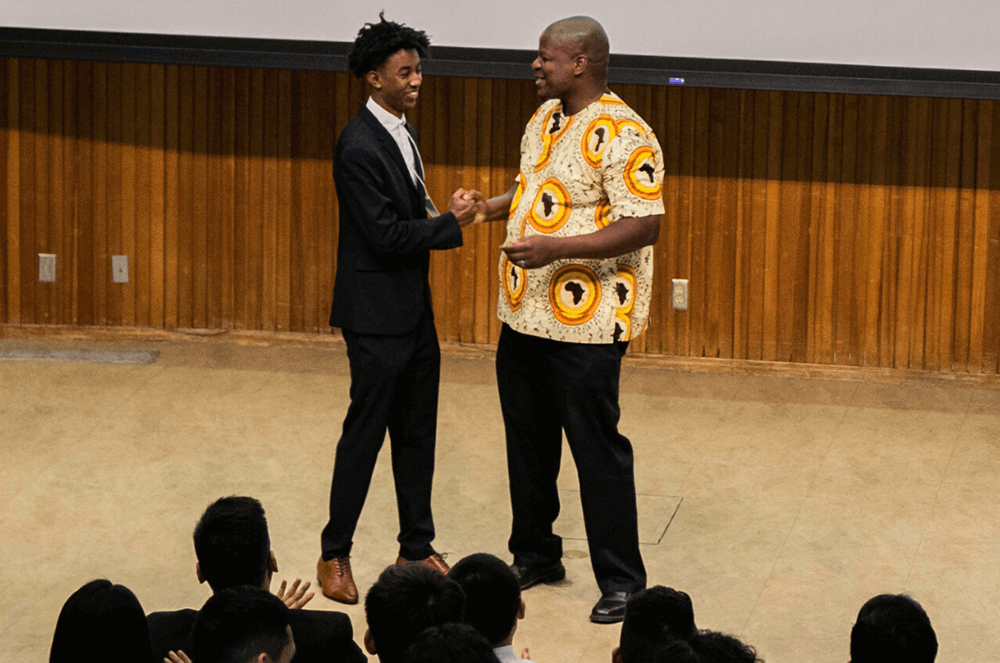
(463, 206)
(176, 657)
(296, 596)
(533, 251)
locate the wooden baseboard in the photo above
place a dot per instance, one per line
(681, 364)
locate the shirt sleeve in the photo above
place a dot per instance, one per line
(632, 171)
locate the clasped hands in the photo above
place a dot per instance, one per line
(468, 206)
(531, 252)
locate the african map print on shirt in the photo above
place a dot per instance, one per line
(578, 174)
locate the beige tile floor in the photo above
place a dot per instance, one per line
(790, 501)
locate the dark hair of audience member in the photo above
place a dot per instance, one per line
(654, 616)
(376, 42)
(404, 601)
(101, 619)
(891, 628)
(492, 595)
(450, 643)
(715, 647)
(224, 537)
(675, 651)
(238, 624)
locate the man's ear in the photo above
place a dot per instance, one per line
(373, 79)
(520, 610)
(616, 655)
(272, 565)
(261, 658)
(580, 64)
(197, 572)
(370, 642)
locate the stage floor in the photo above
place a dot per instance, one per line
(780, 504)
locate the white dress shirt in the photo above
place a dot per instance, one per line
(396, 126)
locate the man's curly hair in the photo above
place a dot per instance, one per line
(376, 42)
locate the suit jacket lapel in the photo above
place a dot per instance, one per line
(390, 146)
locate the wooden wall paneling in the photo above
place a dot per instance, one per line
(653, 336)
(84, 302)
(876, 233)
(714, 264)
(906, 273)
(820, 341)
(41, 186)
(226, 165)
(126, 292)
(199, 226)
(139, 258)
(269, 220)
(845, 306)
(793, 238)
(259, 178)
(980, 235)
(862, 249)
(477, 237)
(894, 235)
(934, 233)
(465, 288)
(991, 305)
(7, 130)
(921, 230)
(772, 225)
(157, 199)
(827, 237)
(172, 211)
(729, 244)
(27, 218)
(58, 221)
(742, 295)
(698, 248)
(284, 222)
(185, 198)
(303, 193)
(216, 192)
(241, 200)
(757, 225)
(70, 153)
(965, 236)
(114, 182)
(324, 203)
(682, 235)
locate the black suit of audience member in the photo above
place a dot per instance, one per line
(233, 548)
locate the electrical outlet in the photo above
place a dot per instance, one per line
(119, 269)
(679, 294)
(46, 268)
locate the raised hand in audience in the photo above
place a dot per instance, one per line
(296, 596)
(176, 657)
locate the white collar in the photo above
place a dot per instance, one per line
(385, 118)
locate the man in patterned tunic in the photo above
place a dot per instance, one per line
(576, 274)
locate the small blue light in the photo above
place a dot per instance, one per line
(676, 81)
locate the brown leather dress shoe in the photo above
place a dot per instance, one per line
(335, 579)
(435, 562)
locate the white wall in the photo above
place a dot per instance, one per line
(949, 34)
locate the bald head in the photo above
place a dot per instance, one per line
(586, 37)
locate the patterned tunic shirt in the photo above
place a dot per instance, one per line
(578, 174)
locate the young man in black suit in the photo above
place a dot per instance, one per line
(233, 548)
(382, 303)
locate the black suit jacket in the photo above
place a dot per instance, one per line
(383, 252)
(320, 636)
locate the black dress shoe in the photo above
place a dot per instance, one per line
(529, 576)
(610, 609)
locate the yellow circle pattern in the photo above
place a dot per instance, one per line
(515, 283)
(625, 284)
(602, 214)
(599, 133)
(549, 138)
(623, 327)
(551, 207)
(574, 294)
(640, 174)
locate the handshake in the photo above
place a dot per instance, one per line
(468, 206)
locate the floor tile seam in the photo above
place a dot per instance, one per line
(937, 497)
(795, 520)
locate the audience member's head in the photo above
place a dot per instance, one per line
(893, 628)
(492, 596)
(101, 617)
(242, 625)
(233, 546)
(715, 647)
(450, 643)
(403, 602)
(653, 617)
